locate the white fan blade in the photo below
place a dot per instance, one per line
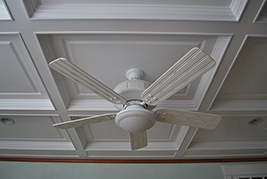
(188, 118)
(138, 140)
(76, 74)
(191, 66)
(85, 121)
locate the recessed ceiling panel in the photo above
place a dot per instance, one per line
(30, 134)
(246, 79)
(249, 71)
(107, 57)
(14, 76)
(109, 131)
(40, 128)
(20, 82)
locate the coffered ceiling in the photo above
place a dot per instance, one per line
(107, 39)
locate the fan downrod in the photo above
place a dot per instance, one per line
(135, 74)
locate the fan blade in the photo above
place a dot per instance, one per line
(76, 74)
(86, 121)
(188, 118)
(138, 140)
(191, 66)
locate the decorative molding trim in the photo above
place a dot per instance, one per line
(228, 103)
(227, 154)
(36, 145)
(91, 105)
(122, 154)
(42, 154)
(237, 7)
(217, 54)
(153, 12)
(124, 145)
(4, 12)
(57, 160)
(50, 55)
(99, 105)
(228, 145)
(239, 105)
(214, 149)
(261, 16)
(26, 104)
(19, 57)
(31, 6)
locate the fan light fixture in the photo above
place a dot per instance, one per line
(135, 119)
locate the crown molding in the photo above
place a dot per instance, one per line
(38, 11)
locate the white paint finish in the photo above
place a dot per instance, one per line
(223, 153)
(77, 75)
(178, 76)
(237, 128)
(225, 3)
(244, 88)
(240, 105)
(38, 152)
(155, 39)
(26, 103)
(21, 86)
(85, 121)
(178, 10)
(107, 131)
(144, 51)
(250, 65)
(122, 154)
(16, 80)
(4, 12)
(34, 146)
(31, 128)
(163, 132)
(22, 78)
(233, 137)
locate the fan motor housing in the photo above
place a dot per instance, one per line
(135, 119)
(130, 89)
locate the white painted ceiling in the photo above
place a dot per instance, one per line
(106, 40)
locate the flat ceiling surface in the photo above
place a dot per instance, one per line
(106, 40)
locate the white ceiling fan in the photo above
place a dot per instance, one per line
(136, 98)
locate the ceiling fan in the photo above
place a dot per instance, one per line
(136, 98)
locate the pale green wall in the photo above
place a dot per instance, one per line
(26, 170)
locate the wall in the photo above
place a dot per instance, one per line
(18, 170)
